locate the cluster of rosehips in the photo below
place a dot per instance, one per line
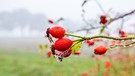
(62, 46)
(103, 19)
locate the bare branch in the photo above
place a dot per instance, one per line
(87, 29)
(124, 45)
(122, 16)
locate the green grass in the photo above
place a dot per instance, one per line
(24, 63)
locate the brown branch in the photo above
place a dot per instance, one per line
(112, 20)
(122, 16)
(84, 2)
(87, 29)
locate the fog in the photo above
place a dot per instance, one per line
(22, 23)
(23, 18)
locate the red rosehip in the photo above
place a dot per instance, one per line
(49, 53)
(77, 53)
(90, 42)
(65, 53)
(103, 17)
(104, 21)
(124, 35)
(57, 31)
(100, 50)
(121, 31)
(85, 73)
(63, 44)
(50, 21)
(108, 64)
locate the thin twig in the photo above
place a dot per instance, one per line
(123, 45)
(122, 16)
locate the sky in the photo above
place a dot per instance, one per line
(66, 8)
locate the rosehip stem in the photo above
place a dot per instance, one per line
(110, 37)
(77, 42)
(100, 36)
(68, 34)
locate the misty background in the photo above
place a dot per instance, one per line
(23, 22)
(23, 18)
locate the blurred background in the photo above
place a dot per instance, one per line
(21, 20)
(22, 29)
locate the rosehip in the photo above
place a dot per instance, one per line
(57, 31)
(100, 50)
(124, 35)
(104, 21)
(49, 53)
(63, 44)
(85, 73)
(121, 31)
(108, 64)
(65, 53)
(77, 53)
(50, 21)
(103, 17)
(90, 42)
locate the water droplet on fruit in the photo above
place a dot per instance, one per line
(58, 58)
